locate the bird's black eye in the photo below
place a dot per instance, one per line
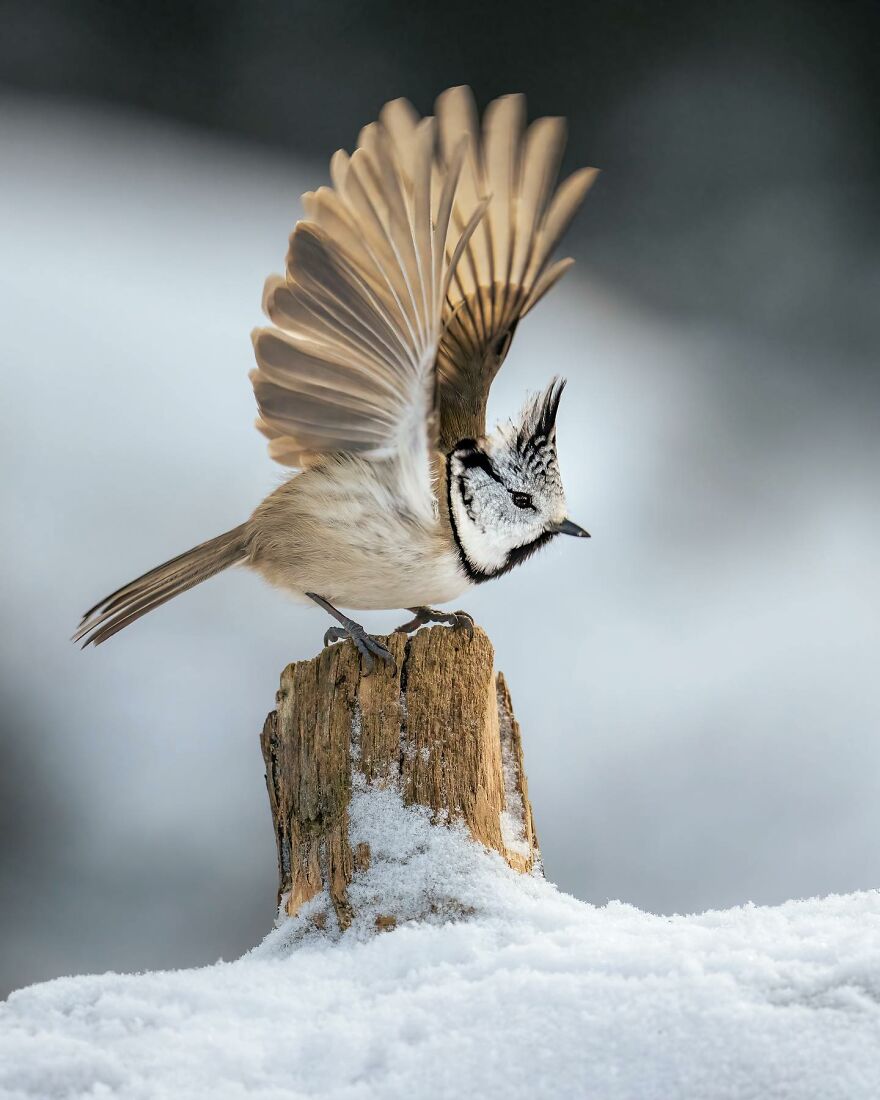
(522, 500)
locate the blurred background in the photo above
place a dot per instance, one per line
(698, 685)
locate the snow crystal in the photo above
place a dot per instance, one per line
(504, 988)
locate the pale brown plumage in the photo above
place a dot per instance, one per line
(403, 288)
(349, 367)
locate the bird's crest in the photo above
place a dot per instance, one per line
(536, 431)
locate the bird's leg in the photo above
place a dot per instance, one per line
(424, 615)
(368, 646)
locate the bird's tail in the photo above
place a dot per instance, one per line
(160, 585)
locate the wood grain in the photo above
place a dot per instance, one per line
(440, 726)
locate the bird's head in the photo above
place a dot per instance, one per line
(505, 494)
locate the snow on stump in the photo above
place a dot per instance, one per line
(437, 732)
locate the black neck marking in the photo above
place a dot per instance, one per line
(516, 556)
(474, 459)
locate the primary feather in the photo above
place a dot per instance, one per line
(506, 267)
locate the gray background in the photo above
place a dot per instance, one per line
(697, 685)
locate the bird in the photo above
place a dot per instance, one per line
(403, 288)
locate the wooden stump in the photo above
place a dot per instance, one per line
(440, 727)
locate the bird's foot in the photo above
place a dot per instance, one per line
(459, 620)
(368, 646)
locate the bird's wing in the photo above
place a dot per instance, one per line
(349, 362)
(506, 267)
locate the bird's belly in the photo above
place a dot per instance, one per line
(391, 581)
(370, 561)
(391, 565)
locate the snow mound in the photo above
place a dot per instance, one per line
(504, 988)
(416, 871)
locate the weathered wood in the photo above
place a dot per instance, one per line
(440, 726)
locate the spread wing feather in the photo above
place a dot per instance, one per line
(406, 283)
(349, 364)
(506, 264)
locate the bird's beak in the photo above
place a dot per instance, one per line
(569, 528)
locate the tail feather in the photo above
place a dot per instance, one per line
(161, 584)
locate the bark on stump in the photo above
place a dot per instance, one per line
(440, 727)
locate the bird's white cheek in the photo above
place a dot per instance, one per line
(484, 548)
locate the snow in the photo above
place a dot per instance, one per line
(502, 987)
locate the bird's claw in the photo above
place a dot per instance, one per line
(368, 646)
(458, 620)
(461, 620)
